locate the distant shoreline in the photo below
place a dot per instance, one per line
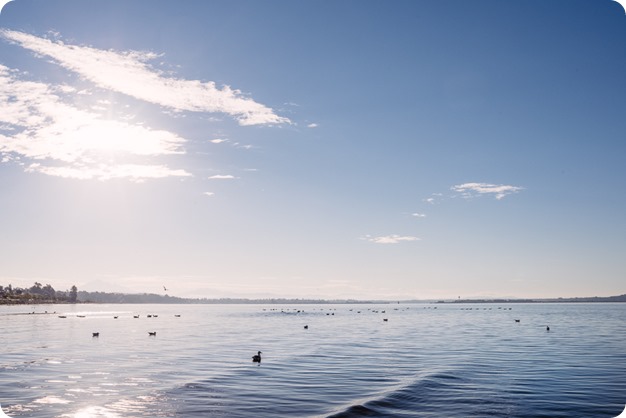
(8, 302)
(119, 298)
(594, 299)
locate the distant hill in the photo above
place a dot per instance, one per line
(103, 297)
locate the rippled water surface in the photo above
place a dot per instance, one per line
(426, 360)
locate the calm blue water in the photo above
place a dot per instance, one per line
(454, 360)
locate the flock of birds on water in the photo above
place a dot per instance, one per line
(97, 334)
(257, 357)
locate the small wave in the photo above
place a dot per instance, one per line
(425, 395)
(356, 411)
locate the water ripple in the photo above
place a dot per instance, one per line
(423, 362)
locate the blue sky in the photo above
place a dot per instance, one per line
(332, 149)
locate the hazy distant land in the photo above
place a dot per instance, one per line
(38, 294)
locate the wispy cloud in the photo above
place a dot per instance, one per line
(434, 198)
(49, 136)
(218, 140)
(389, 239)
(312, 125)
(135, 172)
(129, 73)
(418, 215)
(499, 191)
(222, 177)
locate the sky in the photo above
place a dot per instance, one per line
(365, 149)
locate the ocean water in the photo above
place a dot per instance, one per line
(426, 360)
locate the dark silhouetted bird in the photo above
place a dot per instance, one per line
(257, 358)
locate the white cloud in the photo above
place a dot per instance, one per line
(500, 191)
(434, 198)
(222, 177)
(61, 140)
(418, 215)
(135, 172)
(218, 140)
(312, 125)
(208, 193)
(389, 239)
(129, 73)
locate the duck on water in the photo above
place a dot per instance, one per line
(257, 358)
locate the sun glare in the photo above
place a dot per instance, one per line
(94, 412)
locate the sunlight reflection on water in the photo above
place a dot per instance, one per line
(93, 412)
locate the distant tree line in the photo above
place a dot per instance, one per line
(105, 297)
(37, 293)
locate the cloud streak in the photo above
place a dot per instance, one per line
(499, 191)
(135, 172)
(129, 73)
(222, 177)
(390, 239)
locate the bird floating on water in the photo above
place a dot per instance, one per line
(547, 328)
(257, 358)
(95, 334)
(152, 333)
(517, 320)
(306, 327)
